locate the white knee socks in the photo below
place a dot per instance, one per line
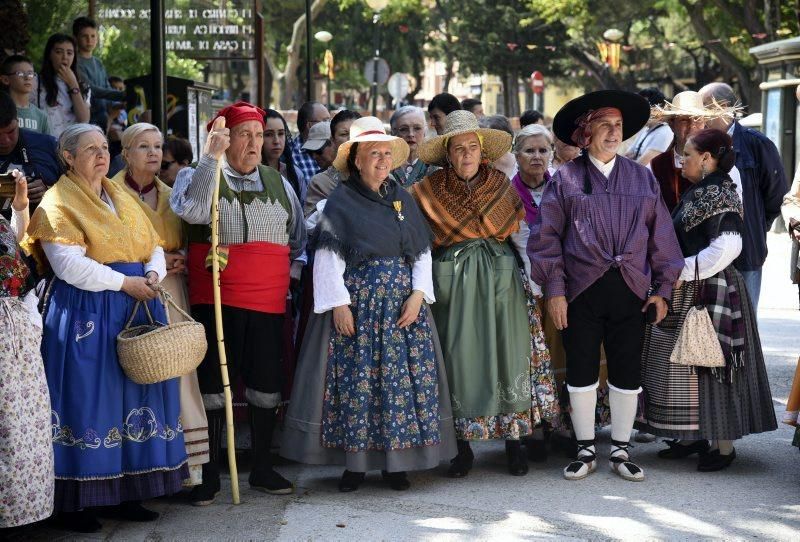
(583, 405)
(623, 412)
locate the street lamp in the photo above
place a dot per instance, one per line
(377, 6)
(610, 48)
(324, 36)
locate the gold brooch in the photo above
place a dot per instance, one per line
(398, 206)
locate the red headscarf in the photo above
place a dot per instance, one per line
(582, 135)
(238, 113)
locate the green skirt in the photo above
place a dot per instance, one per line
(482, 319)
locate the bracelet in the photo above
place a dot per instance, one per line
(75, 90)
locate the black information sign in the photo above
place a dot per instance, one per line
(199, 29)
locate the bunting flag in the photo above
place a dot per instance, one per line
(511, 46)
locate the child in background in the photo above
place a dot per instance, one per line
(18, 77)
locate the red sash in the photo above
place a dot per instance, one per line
(256, 277)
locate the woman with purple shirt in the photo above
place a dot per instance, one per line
(605, 253)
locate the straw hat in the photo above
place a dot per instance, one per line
(370, 129)
(686, 104)
(635, 112)
(494, 143)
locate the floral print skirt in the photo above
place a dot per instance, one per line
(381, 385)
(544, 394)
(26, 448)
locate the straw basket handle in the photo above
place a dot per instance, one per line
(135, 311)
(168, 300)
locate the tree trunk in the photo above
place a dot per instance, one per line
(269, 80)
(748, 90)
(289, 82)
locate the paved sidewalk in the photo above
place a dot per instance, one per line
(758, 497)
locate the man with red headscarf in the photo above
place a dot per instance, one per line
(605, 252)
(262, 239)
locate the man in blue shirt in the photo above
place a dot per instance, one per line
(763, 185)
(309, 114)
(31, 152)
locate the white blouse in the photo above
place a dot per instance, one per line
(61, 115)
(714, 258)
(70, 264)
(330, 290)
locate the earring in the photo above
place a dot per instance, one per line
(703, 171)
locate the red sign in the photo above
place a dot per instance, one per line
(537, 82)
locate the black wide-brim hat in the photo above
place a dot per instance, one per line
(634, 108)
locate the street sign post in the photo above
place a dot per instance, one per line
(383, 71)
(398, 86)
(537, 86)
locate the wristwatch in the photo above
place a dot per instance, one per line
(75, 90)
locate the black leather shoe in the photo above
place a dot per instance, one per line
(77, 522)
(205, 493)
(517, 463)
(397, 480)
(134, 511)
(350, 481)
(461, 464)
(714, 461)
(270, 482)
(537, 449)
(677, 450)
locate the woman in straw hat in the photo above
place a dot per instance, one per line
(370, 390)
(686, 115)
(481, 313)
(142, 150)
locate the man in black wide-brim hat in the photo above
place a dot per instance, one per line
(606, 254)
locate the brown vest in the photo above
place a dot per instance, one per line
(670, 179)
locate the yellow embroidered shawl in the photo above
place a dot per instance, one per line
(167, 224)
(72, 214)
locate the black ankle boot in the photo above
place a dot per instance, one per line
(263, 477)
(78, 522)
(517, 463)
(134, 511)
(397, 480)
(462, 463)
(350, 481)
(204, 494)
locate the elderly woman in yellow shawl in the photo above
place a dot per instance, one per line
(115, 442)
(142, 150)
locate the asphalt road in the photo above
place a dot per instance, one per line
(757, 498)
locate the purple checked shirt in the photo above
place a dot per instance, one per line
(623, 223)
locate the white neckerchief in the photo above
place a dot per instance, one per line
(677, 159)
(605, 169)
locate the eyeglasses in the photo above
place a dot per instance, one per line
(24, 75)
(166, 163)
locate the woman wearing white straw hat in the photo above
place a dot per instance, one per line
(499, 388)
(370, 389)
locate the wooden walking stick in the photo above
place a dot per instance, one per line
(223, 358)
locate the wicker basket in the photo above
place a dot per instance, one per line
(156, 352)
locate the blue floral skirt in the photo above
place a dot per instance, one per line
(107, 430)
(381, 386)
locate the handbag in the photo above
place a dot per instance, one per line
(155, 352)
(697, 344)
